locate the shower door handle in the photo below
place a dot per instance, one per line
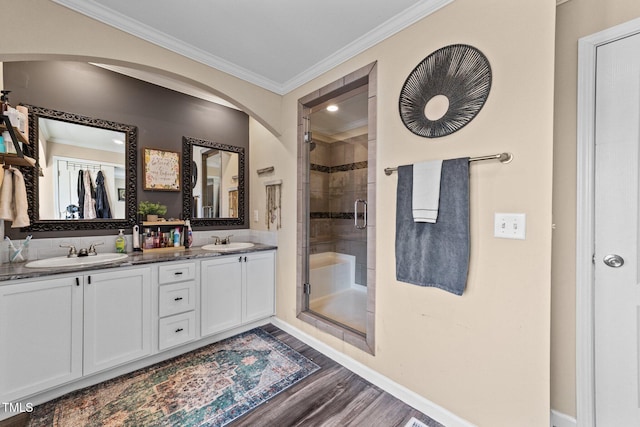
(355, 214)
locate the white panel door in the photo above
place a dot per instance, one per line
(259, 281)
(221, 294)
(117, 318)
(40, 336)
(617, 292)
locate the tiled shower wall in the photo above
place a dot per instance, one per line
(338, 177)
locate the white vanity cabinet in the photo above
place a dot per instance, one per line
(259, 286)
(117, 317)
(177, 295)
(236, 289)
(40, 335)
(220, 294)
(62, 331)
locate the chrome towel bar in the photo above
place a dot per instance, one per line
(503, 157)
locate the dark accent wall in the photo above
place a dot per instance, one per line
(163, 116)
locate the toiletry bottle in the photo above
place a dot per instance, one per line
(176, 237)
(4, 101)
(189, 236)
(121, 243)
(3, 149)
(148, 240)
(8, 142)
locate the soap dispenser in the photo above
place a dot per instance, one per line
(136, 238)
(121, 243)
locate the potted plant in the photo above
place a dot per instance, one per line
(151, 210)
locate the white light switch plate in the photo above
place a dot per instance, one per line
(509, 225)
(256, 216)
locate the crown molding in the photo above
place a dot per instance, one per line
(136, 28)
(131, 26)
(385, 30)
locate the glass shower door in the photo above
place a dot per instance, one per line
(337, 144)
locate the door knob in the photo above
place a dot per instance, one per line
(613, 260)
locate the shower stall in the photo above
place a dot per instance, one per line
(338, 157)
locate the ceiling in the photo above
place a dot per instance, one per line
(278, 44)
(77, 135)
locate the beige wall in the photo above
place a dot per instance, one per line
(265, 149)
(575, 19)
(485, 355)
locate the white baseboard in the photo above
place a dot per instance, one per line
(558, 419)
(411, 398)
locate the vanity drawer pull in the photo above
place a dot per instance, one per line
(174, 273)
(77, 281)
(176, 330)
(176, 298)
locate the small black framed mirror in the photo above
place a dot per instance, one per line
(213, 179)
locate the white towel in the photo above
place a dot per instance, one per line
(426, 191)
(20, 203)
(6, 196)
(89, 202)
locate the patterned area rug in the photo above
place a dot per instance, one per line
(210, 386)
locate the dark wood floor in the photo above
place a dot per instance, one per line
(332, 396)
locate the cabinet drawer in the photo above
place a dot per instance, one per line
(176, 330)
(177, 298)
(176, 272)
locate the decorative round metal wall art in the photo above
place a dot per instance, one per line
(445, 91)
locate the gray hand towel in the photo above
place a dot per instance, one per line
(437, 254)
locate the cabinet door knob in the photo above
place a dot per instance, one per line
(240, 259)
(77, 281)
(245, 259)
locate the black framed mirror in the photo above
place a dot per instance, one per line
(213, 179)
(51, 207)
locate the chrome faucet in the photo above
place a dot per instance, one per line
(223, 241)
(92, 248)
(73, 252)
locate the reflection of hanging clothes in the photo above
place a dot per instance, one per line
(89, 197)
(102, 200)
(81, 193)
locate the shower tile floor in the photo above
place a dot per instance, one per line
(348, 307)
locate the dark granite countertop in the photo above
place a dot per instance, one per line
(19, 271)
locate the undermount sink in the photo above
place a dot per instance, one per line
(233, 246)
(63, 261)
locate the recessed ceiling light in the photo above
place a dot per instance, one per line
(332, 108)
(118, 141)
